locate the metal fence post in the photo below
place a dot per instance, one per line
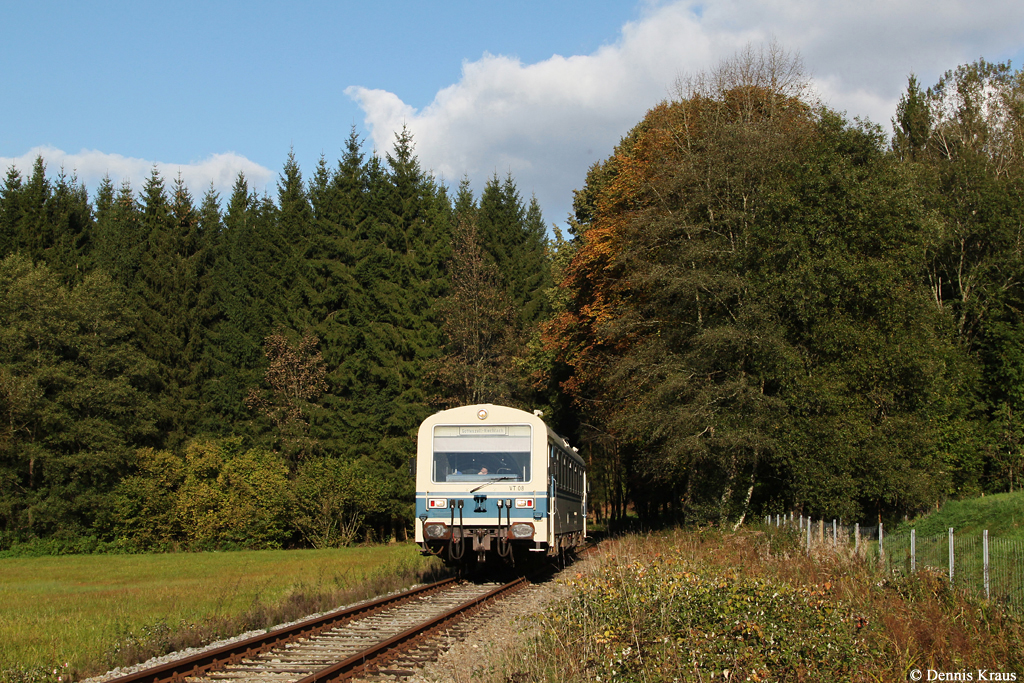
(856, 537)
(913, 550)
(951, 556)
(808, 535)
(881, 539)
(984, 552)
(835, 537)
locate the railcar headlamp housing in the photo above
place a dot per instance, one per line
(435, 530)
(437, 503)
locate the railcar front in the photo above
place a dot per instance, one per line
(484, 485)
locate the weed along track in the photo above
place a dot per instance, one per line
(389, 635)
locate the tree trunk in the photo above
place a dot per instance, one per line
(746, 501)
(727, 493)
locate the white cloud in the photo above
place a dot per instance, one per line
(90, 166)
(548, 122)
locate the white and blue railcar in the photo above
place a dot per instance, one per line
(497, 480)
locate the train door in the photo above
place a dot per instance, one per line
(586, 501)
(552, 494)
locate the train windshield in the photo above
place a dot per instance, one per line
(474, 453)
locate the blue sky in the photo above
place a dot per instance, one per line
(541, 89)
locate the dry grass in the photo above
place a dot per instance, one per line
(712, 606)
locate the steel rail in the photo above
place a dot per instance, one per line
(392, 647)
(232, 653)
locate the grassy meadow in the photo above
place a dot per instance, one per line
(93, 612)
(1002, 514)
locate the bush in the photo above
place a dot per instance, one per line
(146, 515)
(233, 499)
(333, 498)
(217, 496)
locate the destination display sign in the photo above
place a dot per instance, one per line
(476, 431)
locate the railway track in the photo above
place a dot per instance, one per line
(341, 645)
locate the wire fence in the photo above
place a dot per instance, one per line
(990, 568)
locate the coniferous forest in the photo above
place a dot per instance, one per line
(761, 305)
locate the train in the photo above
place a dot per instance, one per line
(497, 484)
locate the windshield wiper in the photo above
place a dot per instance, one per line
(487, 483)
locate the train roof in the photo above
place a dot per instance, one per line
(500, 413)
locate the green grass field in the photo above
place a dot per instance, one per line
(95, 611)
(1002, 514)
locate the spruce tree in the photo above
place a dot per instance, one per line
(516, 242)
(119, 236)
(231, 350)
(163, 298)
(70, 215)
(10, 212)
(335, 297)
(248, 294)
(500, 223)
(295, 226)
(35, 231)
(392, 222)
(100, 248)
(534, 267)
(465, 207)
(207, 314)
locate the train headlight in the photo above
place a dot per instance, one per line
(524, 503)
(521, 530)
(437, 503)
(435, 530)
